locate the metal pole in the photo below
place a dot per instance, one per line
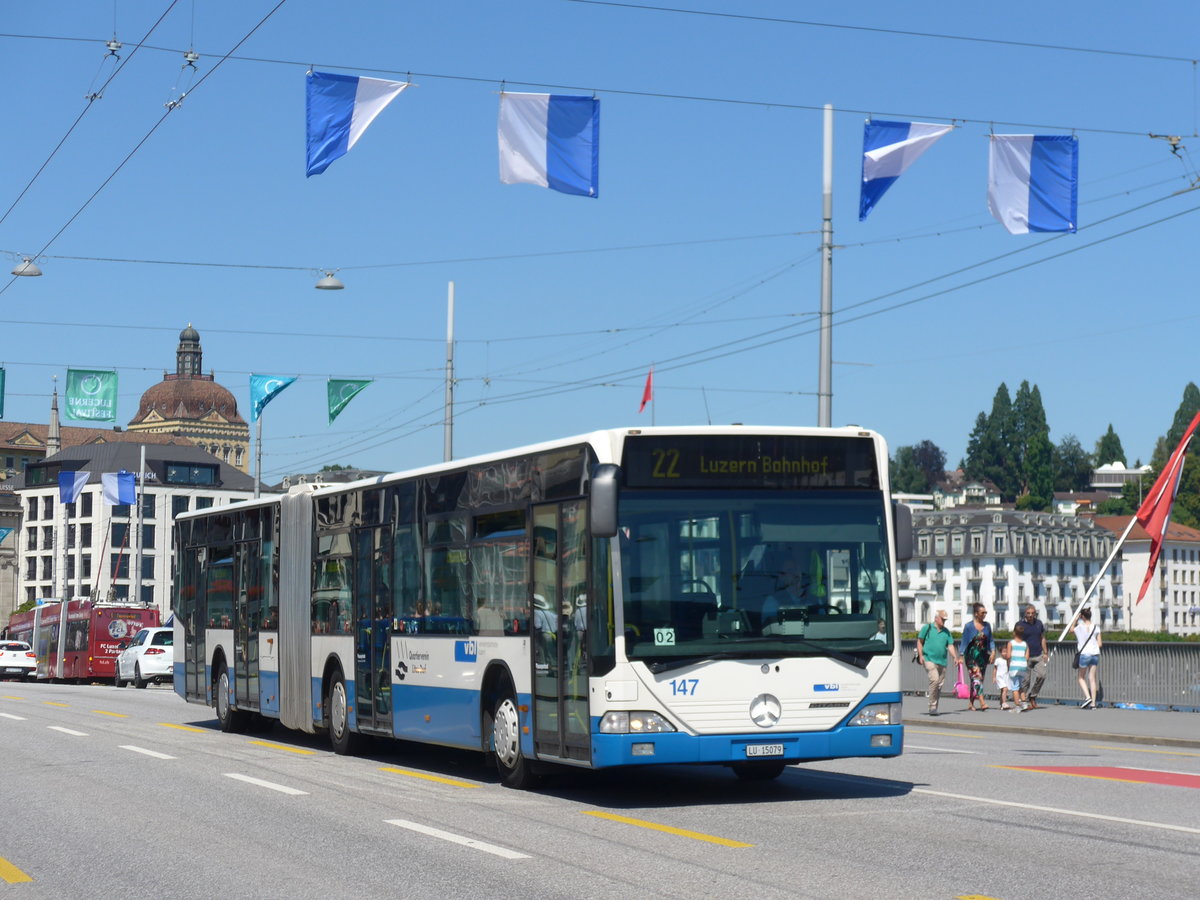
(448, 424)
(825, 376)
(257, 454)
(137, 551)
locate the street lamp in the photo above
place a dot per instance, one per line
(329, 283)
(27, 267)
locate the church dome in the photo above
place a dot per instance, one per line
(188, 399)
(189, 334)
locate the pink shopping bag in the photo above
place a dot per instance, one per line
(962, 690)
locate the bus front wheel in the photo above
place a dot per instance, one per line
(337, 717)
(515, 770)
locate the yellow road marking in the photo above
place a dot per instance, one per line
(54, 703)
(437, 778)
(654, 826)
(954, 734)
(183, 727)
(974, 897)
(11, 697)
(1038, 771)
(1141, 750)
(271, 746)
(11, 873)
(105, 712)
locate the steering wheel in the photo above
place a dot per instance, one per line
(706, 589)
(824, 608)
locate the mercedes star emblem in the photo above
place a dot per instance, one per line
(765, 710)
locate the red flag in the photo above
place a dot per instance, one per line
(1155, 512)
(648, 391)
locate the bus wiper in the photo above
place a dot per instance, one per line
(678, 662)
(858, 660)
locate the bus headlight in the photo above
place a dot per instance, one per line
(878, 714)
(636, 722)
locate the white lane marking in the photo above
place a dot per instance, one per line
(67, 730)
(11, 716)
(1051, 809)
(283, 789)
(908, 746)
(153, 753)
(458, 839)
(1063, 812)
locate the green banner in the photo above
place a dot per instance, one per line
(91, 395)
(341, 392)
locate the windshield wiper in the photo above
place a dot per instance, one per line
(678, 662)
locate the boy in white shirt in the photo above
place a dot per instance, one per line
(1000, 674)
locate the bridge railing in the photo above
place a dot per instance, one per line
(1158, 675)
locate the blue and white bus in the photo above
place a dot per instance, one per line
(627, 597)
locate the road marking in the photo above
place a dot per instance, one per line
(183, 727)
(458, 839)
(271, 746)
(11, 716)
(283, 789)
(1116, 773)
(11, 873)
(1062, 812)
(105, 712)
(908, 746)
(54, 703)
(437, 778)
(11, 697)
(67, 730)
(953, 734)
(153, 753)
(1143, 750)
(654, 826)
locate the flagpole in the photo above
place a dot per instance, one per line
(139, 492)
(1092, 587)
(825, 374)
(257, 454)
(448, 419)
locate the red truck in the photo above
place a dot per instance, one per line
(86, 649)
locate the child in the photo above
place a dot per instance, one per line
(1018, 667)
(1000, 675)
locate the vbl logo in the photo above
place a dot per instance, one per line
(466, 651)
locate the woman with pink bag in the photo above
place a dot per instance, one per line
(978, 651)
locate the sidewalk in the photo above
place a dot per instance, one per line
(1169, 729)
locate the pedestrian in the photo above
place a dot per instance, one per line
(1039, 653)
(1018, 667)
(978, 649)
(1000, 674)
(1088, 643)
(935, 650)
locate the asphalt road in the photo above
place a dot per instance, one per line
(133, 794)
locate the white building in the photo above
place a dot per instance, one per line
(93, 549)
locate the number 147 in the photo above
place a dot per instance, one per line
(684, 686)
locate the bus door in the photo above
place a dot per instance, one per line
(373, 629)
(559, 631)
(247, 615)
(192, 609)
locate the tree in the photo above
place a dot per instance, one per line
(906, 475)
(1072, 465)
(1187, 499)
(1109, 449)
(1031, 454)
(931, 461)
(993, 456)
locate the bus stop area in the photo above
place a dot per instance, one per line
(1166, 728)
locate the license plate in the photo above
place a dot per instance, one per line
(764, 749)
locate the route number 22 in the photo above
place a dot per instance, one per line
(666, 464)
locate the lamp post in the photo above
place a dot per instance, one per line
(448, 418)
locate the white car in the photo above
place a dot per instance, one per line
(150, 656)
(17, 660)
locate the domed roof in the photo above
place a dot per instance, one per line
(189, 334)
(188, 398)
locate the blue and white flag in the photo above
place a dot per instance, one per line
(552, 141)
(263, 389)
(340, 107)
(1033, 182)
(889, 148)
(70, 485)
(118, 488)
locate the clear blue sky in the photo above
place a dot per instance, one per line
(701, 247)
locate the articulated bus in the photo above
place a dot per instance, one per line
(86, 650)
(628, 597)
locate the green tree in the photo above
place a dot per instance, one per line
(906, 475)
(1187, 499)
(993, 457)
(1030, 452)
(931, 460)
(1072, 465)
(1109, 449)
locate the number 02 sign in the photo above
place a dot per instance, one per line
(664, 637)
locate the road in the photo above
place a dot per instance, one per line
(135, 794)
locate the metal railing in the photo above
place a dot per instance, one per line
(1155, 675)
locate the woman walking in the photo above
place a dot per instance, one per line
(978, 651)
(1088, 643)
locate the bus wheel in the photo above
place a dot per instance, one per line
(230, 719)
(337, 717)
(515, 770)
(764, 770)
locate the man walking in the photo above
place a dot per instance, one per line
(935, 650)
(1039, 653)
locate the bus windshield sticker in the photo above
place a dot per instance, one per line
(664, 637)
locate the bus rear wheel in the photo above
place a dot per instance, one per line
(515, 770)
(230, 719)
(764, 770)
(337, 717)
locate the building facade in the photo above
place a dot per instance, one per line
(90, 548)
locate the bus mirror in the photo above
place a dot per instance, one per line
(902, 523)
(602, 510)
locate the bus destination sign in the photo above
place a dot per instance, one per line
(750, 461)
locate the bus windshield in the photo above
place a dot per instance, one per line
(757, 573)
